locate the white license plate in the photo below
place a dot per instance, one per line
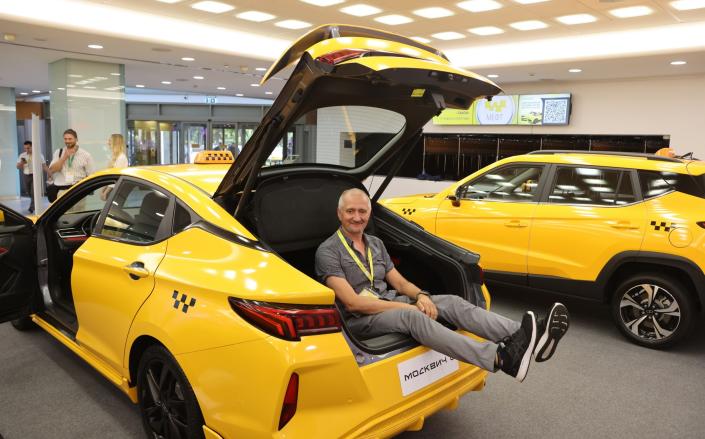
(422, 370)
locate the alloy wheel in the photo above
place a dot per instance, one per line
(650, 312)
(163, 402)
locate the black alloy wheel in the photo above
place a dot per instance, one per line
(653, 310)
(168, 405)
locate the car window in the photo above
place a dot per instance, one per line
(347, 136)
(93, 201)
(509, 183)
(136, 213)
(654, 183)
(595, 186)
(182, 218)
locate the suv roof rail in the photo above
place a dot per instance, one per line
(615, 153)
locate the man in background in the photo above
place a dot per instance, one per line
(70, 164)
(25, 165)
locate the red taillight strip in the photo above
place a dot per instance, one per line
(339, 56)
(291, 398)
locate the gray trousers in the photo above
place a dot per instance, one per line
(432, 334)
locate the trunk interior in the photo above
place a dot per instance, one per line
(293, 214)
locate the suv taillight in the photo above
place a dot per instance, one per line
(291, 398)
(339, 56)
(286, 321)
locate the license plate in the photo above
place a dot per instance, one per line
(423, 370)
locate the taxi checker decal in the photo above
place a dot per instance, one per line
(407, 210)
(662, 225)
(182, 301)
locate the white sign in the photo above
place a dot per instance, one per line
(422, 370)
(498, 111)
(211, 99)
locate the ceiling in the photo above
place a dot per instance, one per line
(150, 37)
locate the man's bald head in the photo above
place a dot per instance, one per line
(353, 193)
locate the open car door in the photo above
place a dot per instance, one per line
(19, 286)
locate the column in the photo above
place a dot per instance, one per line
(9, 180)
(89, 97)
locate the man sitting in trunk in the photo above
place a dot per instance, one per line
(358, 268)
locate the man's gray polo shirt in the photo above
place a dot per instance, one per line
(333, 259)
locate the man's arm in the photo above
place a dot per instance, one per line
(58, 162)
(21, 163)
(360, 304)
(403, 286)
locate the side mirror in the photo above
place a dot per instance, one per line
(455, 202)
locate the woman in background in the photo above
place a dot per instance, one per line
(118, 158)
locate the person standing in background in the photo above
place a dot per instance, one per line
(24, 164)
(118, 158)
(70, 164)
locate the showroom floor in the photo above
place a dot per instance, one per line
(598, 385)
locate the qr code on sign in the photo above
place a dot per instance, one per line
(555, 111)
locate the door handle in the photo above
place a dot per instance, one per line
(136, 270)
(624, 225)
(515, 223)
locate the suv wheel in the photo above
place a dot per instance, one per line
(167, 402)
(653, 310)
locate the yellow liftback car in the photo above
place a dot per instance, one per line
(626, 229)
(192, 287)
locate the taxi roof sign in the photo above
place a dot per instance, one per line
(212, 157)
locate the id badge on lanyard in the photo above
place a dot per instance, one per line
(69, 175)
(370, 274)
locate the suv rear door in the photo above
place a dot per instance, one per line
(587, 215)
(19, 288)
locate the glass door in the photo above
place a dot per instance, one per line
(194, 139)
(142, 142)
(224, 137)
(169, 144)
(245, 131)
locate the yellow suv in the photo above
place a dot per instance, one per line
(192, 287)
(626, 229)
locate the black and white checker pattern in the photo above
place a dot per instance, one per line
(181, 301)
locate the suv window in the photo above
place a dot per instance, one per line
(509, 183)
(136, 213)
(182, 218)
(595, 186)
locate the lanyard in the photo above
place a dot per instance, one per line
(370, 274)
(70, 161)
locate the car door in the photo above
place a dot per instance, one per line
(114, 270)
(588, 215)
(19, 289)
(492, 216)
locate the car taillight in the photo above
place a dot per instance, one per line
(291, 398)
(339, 56)
(286, 321)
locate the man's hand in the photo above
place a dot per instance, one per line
(426, 306)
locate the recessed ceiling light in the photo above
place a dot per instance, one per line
(479, 5)
(220, 88)
(323, 2)
(577, 19)
(268, 92)
(36, 91)
(486, 30)
(434, 12)
(171, 2)
(166, 82)
(198, 77)
(73, 75)
(261, 69)
(529, 25)
(529, 2)
(60, 88)
(360, 10)
(448, 36)
(292, 24)
(24, 94)
(213, 7)
(631, 11)
(575, 70)
(687, 5)
(239, 94)
(188, 58)
(421, 40)
(393, 19)
(492, 76)
(139, 86)
(678, 63)
(115, 74)
(256, 16)
(89, 87)
(95, 46)
(254, 85)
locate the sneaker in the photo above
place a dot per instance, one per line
(515, 352)
(552, 328)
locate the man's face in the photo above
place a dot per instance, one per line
(27, 149)
(354, 214)
(69, 140)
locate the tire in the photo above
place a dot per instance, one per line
(24, 324)
(657, 322)
(167, 403)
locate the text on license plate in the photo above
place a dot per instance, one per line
(422, 370)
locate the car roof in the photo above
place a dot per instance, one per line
(615, 160)
(206, 177)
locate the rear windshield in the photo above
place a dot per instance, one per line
(347, 136)
(655, 183)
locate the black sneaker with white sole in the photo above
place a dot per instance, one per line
(515, 352)
(551, 329)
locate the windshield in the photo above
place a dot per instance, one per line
(347, 136)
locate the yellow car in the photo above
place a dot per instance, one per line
(625, 229)
(192, 288)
